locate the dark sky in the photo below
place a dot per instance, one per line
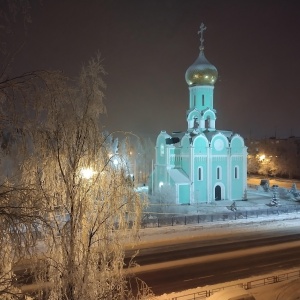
(148, 45)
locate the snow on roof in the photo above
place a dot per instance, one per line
(210, 134)
(227, 133)
(175, 137)
(178, 134)
(179, 176)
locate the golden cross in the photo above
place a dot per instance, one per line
(202, 28)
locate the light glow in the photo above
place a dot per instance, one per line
(87, 173)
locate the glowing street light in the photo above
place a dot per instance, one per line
(114, 158)
(87, 173)
(262, 157)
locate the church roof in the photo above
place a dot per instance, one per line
(178, 134)
(210, 134)
(178, 176)
(201, 72)
(175, 137)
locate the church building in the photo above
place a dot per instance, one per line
(201, 164)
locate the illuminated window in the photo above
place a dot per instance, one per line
(219, 173)
(200, 173)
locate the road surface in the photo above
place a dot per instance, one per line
(180, 267)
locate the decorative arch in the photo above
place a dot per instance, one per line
(237, 144)
(193, 119)
(222, 146)
(161, 147)
(185, 141)
(201, 144)
(162, 138)
(219, 191)
(208, 120)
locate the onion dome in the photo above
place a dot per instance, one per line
(201, 72)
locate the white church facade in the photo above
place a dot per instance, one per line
(201, 164)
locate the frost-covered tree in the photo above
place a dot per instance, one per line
(252, 164)
(139, 153)
(145, 155)
(51, 142)
(64, 205)
(90, 208)
(267, 167)
(288, 164)
(60, 182)
(20, 206)
(19, 231)
(274, 157)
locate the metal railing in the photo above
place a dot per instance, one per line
(158, 221)
(247, 286)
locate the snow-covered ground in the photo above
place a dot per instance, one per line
(285, 290)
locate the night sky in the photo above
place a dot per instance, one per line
(147, 46)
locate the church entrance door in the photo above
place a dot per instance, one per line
(217, 192)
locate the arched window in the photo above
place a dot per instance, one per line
(219, 173)
(207, 123)
(200, 173)
(236, 172)
(196, 123)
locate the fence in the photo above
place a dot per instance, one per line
(151, 221)
(248, 285)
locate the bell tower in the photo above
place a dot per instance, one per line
(201, 77)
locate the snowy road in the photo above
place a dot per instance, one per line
(260, 227)
(193, 248)
(234, 262)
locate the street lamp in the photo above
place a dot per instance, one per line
(262, 157)
(87, 173)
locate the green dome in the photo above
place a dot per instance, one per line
(201, 72)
